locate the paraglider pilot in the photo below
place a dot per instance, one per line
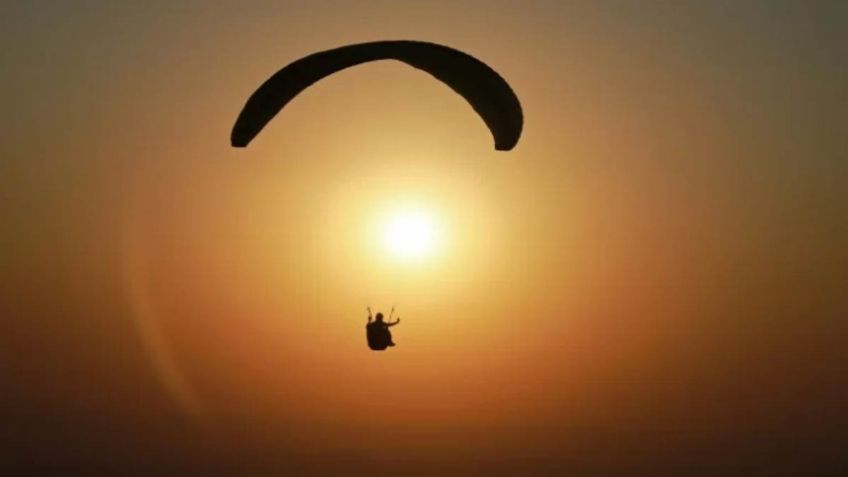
(377, 331)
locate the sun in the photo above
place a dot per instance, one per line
(411, 234)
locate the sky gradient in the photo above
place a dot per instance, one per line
(653, 282)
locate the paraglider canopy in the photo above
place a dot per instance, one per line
(484, 89)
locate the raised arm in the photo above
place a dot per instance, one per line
(394, 323)
(369, 314)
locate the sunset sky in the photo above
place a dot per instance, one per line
(653, 282)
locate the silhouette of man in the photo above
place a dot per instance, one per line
(378, 334)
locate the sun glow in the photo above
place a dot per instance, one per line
(410, 234)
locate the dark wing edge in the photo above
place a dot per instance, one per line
(481, 86)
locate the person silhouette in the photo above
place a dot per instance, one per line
(377, 331)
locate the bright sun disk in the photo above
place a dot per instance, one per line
(410, 234)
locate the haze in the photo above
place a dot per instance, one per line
(653, 282)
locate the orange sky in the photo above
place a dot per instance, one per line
(652, 280)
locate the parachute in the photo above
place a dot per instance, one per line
(484, 89)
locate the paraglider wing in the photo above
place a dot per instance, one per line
(480, 85)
